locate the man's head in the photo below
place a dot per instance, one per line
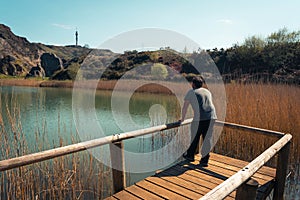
(197, 82)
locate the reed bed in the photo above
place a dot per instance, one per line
(274, 107)
(76, 176)
(269, 106)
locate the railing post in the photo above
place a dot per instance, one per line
(247, 191)
(281, 171)
(118, 167)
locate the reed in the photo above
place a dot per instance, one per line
(76, 176)
(274, 107)
(270, 106)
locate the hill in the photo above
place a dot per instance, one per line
(19, 57)
(272, 59)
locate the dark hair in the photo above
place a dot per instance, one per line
(198, 81)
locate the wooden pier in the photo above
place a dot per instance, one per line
(224, 178)
(190, 181)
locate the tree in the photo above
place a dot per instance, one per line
(284, 36)
(254, 42)
(159, 71)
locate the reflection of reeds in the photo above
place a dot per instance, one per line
(77, 176)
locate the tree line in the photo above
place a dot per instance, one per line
(274, 58)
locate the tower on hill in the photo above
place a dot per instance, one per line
(76, 37)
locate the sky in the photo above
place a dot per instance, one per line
(210, 24)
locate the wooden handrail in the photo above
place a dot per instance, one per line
(233, 182)
(250, 128)
(73, 148)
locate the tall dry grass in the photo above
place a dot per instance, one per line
(76, 176)
(274, 107)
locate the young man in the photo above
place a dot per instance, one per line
(204, 117)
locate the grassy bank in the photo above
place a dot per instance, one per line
(129, 85)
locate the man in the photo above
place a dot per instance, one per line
(203, 121)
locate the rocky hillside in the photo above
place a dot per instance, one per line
(19, 57)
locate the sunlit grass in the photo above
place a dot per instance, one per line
(274, 107)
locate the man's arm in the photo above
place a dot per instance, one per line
(184, 110)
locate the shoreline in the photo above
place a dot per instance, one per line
(131, 85)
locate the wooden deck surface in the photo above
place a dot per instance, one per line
(189, 181)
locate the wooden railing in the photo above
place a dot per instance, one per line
(281, 147)
(238, 180)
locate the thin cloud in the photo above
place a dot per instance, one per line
(225, 21)
(63, 26)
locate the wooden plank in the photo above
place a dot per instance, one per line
(141, 193)
(125, 195)
(162, 192)
(240, 163)
(227, 172)
(200, 179)
(193, 183)
(174, 188)
(207, 182)
(201, 175)
(236, 169)
(198, 186)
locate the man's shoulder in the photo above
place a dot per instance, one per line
(189, 94)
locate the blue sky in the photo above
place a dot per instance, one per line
(209, 23)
